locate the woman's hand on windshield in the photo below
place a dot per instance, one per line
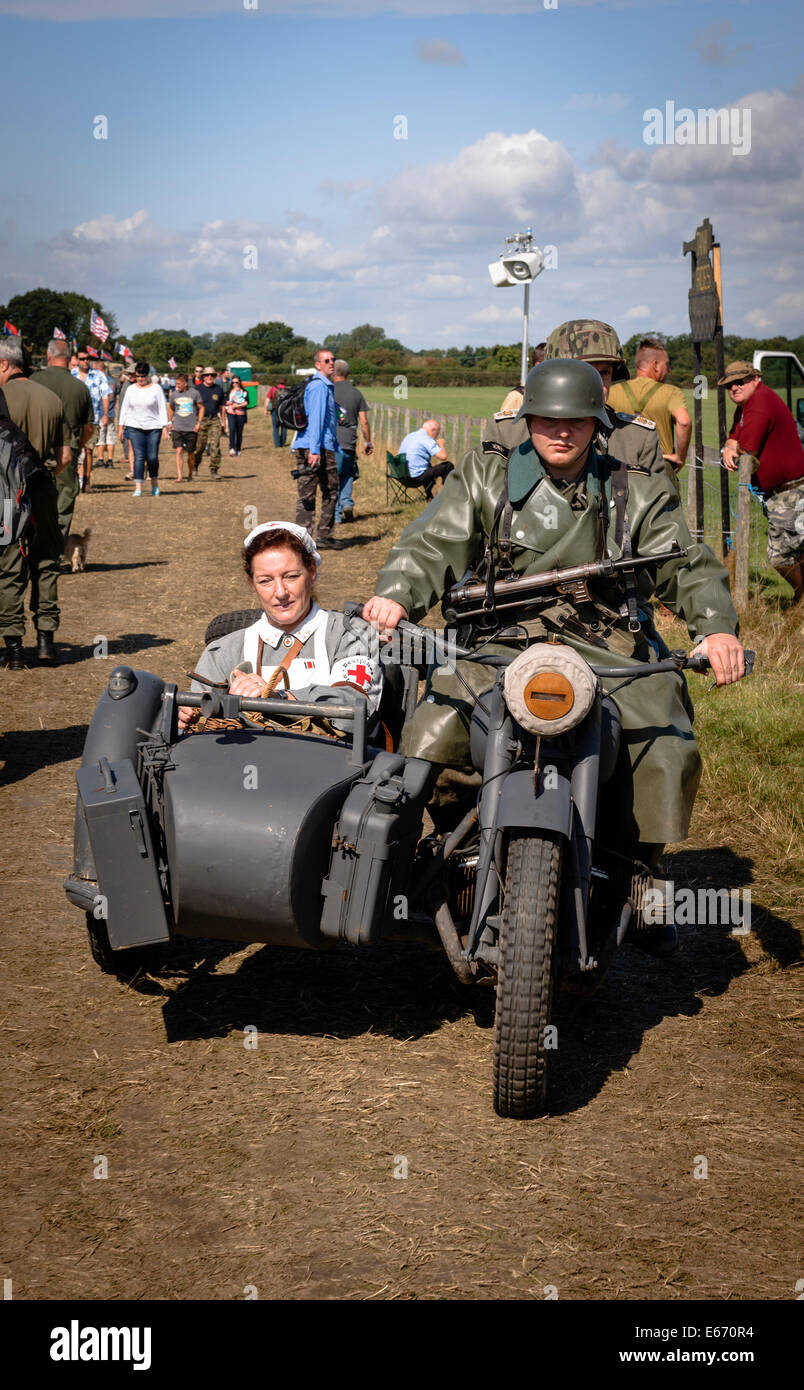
(248, 685)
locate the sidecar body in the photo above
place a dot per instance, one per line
(249, 833)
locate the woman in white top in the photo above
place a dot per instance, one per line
(295, 648)
(143, 415)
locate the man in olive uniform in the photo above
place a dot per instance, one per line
(40, 414)
(79, 414)
(631, 438)
(570, 503)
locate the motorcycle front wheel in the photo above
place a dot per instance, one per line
(524, 982)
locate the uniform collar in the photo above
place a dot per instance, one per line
(274, 635)
(526, 470)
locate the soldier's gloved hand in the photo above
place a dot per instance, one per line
(383, 614)
(726, 656)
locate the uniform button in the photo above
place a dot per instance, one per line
(520, 535)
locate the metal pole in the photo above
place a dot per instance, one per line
(526, 307)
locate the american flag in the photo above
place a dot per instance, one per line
(9, 329)
(97, 327)
(57, 333)
(172, 363)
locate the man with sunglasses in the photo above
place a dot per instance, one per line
(213, 399)
(765, 429)
(315, 448)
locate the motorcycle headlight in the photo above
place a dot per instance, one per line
(549, 689)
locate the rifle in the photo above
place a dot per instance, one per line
(477, 599)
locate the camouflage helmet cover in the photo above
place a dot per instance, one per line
(564, 390)
(591, 340)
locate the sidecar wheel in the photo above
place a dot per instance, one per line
(113, 962)
(230, 622)
(524, 982)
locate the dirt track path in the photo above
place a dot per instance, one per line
(280, 1167)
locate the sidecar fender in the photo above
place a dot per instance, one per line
(549, 809)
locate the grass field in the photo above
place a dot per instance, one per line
(482, 401)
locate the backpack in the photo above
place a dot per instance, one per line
(290, 410)
(19, 463)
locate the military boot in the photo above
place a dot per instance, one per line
(12, 657)
(46, 653)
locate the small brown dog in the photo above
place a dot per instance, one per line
(75, 549)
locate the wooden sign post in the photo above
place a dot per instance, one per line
(706, 325)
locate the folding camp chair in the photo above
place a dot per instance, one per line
(398, 480)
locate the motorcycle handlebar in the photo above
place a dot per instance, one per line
(677, 661)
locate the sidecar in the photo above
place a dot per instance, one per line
(247, 833)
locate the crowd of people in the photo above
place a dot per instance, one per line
(69, 415)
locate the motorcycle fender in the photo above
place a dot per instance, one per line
(549, 809)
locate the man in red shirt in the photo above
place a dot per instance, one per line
(764, 428)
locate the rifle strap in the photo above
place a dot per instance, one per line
(504, 512)
(622, 538)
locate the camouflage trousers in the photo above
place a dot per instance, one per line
(785, 512)
(325, 477)
(209, 433)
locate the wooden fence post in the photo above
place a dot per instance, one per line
(741, 540)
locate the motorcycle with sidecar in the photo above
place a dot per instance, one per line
(260, 832)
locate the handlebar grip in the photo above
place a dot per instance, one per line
(352, 609)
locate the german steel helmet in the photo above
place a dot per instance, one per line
(590, 340)
(564, 390)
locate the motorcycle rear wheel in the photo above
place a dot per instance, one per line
(525, 975)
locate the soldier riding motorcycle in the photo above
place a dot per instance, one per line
(553, 742)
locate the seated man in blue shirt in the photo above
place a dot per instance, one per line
(419, 447)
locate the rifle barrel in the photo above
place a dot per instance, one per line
(534, 583)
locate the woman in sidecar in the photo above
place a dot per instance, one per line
(295, 649)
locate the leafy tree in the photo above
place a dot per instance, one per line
(157, 345)
(271, 342)
(37, 312)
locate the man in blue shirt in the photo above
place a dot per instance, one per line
(316, 465)
(419, 447)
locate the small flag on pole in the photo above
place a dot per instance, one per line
(9, 329)
(92, 352)
(97, 327)
(57, 333)
(75, 344)
(172, 363)
(107, 357)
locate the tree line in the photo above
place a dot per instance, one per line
(274, 349)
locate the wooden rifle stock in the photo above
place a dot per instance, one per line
(471, 600)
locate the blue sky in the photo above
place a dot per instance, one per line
(273, 127)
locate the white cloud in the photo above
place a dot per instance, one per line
(426, 237)
(497, 179)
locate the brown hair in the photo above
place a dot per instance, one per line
(272, 540)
